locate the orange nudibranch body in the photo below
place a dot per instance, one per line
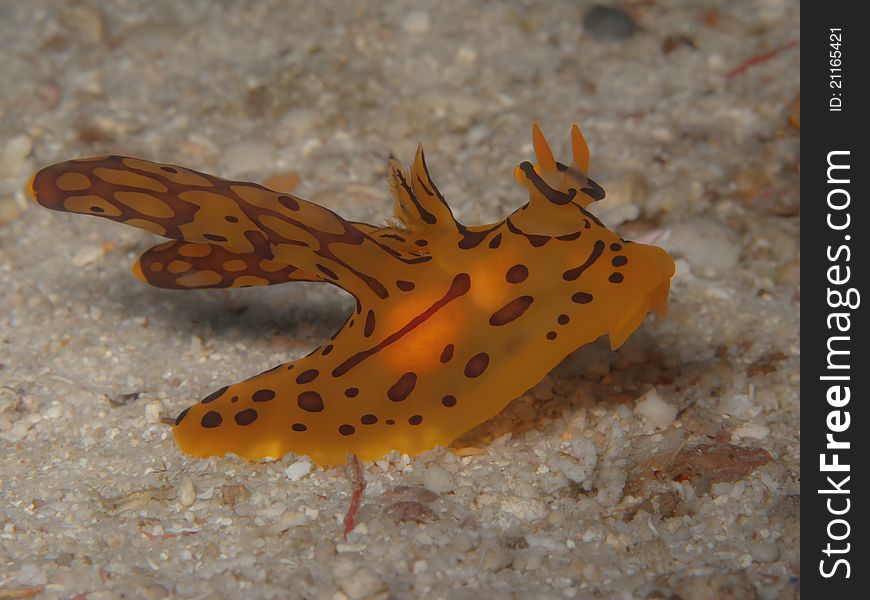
(451, 322)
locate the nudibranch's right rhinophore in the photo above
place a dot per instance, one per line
(451, 322)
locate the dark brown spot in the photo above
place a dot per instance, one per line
(346, 429)
(245, 417)
(289, 202)
(447, 353)
(298, 427)
(477, 365)
(234, 399)
(496, 241)
(415, 420)
(290, 366)
(537, 240)
(351, 392)
(569, 237)
(214, 237)
(368, 419)
(511, 311)
(615, 247)
(471, 239)
(326, 271)
(310, 401)
(581, 298)
(390, 422)
(563, 319)
(421, 243)
(97, 209)
(181, 416)
(615, 278)
(327, 349)
(619, 261)
(370, 323)
(169, 169)
(231, 219)
(572, 274)
(403, 387)
(551, 335)
(211, 419)
(214, 395)
(307, 376)
(263, 395)
(517, 274)
(449, 401)
(405, 286)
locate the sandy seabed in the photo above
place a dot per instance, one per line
(666, 469)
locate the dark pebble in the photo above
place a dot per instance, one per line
(608, 23)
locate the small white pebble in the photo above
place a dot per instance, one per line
(55, 411)
(764, 551)
(416, 22)
(655, 410)
(154, 591)
(737, 405)
(610, 483)
(290, 519)
(152, 412)
(540, 541)
(661, 134)
(298, 470)
(466, 56)
(580, 463)
(624, 201)
(248, 155)
(361, 584)
(524, 509)
(711, 247)
(750, 430)
(87, 255)
(196, 345)
(13, 154)
(438, 480)
(683, 267)
(186, 492)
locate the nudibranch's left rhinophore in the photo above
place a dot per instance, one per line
(451, 321)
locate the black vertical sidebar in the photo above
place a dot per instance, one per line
(835, 356)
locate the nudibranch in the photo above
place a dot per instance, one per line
(451, 323)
